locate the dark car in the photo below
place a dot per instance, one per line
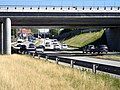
(23, 48)
(31, 47)
(102, 49)
(16, 49)
(89, 48)
(40, 49)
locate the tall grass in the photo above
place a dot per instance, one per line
(84, 39)
(19, 72)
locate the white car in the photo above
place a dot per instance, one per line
(57, 47)
(40, 49)
(49, 45)
(64, 46)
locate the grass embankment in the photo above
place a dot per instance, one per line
(37, 42)
(19, 72)
(84, 39)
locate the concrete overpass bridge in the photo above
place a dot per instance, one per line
(54, 16)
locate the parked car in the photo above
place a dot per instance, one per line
(102, 49)
(89, 48)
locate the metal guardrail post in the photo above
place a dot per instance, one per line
(72, 63)
(33, 55)
(29, 53)
(57, 59)
(46, 57)
(94, 69)
(38, 56)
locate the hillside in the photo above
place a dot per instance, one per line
(84, 39)
(20, 72)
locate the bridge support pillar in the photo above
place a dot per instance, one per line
(7, 36)
(1, 38)
(113, 38)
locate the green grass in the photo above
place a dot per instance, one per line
(37, 42)
(20, 72)
(84, 39)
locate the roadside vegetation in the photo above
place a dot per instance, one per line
(37, 42)
(20, 72)
(83, 39)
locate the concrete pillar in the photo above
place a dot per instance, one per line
(113, 38)
(7, 36)
(1, 38)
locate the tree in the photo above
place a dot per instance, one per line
(65, 31)
(34, 30)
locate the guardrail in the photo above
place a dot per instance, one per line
(21, 8)
(94, 66)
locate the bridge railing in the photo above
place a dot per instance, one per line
(59, 9)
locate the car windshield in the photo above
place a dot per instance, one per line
(18, 45)
(31, 45)
(19, 42)
(64, 45)
(102, 46)
(47, 42)
(40, 47)
(91, 46)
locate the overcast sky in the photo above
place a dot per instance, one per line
(62, 2)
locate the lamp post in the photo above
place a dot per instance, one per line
(38, 33)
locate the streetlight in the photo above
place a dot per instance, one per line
(38, 33)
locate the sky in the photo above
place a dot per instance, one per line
(62, 2)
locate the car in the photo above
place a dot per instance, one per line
(89, 48)
(31, 47)
(57, 47)
(102, 49)
(64, 46)
(16, 48)
(54, 40)
(20, 41)
(39, 49)
(49, 46)
(23, 48)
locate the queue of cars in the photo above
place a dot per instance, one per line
(48, 44)
(98, 49)
(54, 44)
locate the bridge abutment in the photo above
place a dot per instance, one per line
(7, 36)
(113, 38)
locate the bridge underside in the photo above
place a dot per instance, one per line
(49, 21)
(64, 21)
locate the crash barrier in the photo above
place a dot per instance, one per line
(94, 66)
